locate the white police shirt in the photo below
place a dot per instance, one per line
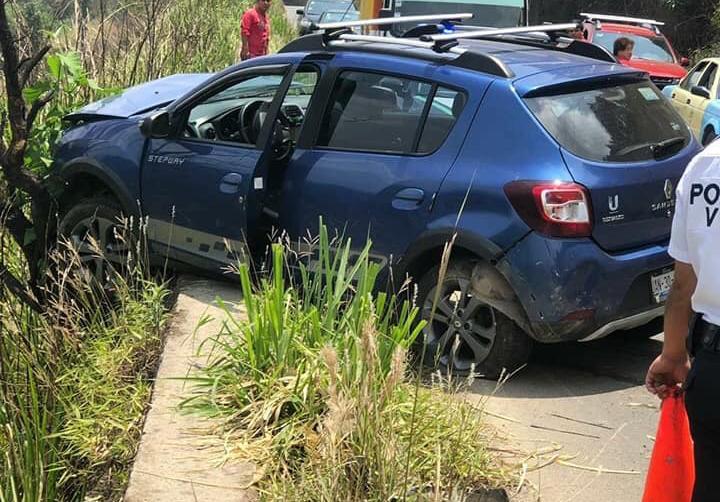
(695, 237)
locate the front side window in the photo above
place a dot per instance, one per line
(694, 76)
(235, 113)
(376, 113)
(622, 123)
(238, 112)
(708, 78)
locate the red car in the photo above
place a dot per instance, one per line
(652, 52)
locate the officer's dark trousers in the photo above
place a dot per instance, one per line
(702, 399)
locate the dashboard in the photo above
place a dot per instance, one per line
(220, 122)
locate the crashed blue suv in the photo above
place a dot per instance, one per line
(553, 166)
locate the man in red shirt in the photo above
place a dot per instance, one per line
(255, 31)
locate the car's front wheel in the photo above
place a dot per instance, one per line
(94, 229)
(463, 333)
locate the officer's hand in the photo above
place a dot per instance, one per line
(665, 374)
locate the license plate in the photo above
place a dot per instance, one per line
(661, 284)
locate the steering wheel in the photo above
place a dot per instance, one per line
(252, 120)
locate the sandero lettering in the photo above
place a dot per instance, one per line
(710, 194)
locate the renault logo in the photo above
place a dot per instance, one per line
(668, 189)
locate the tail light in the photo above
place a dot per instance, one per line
(554, 209)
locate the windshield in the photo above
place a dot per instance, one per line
(336, 17)
(320, 6)
(652, 48)
(622, 123)
(494, 13)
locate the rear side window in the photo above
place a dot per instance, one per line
(622, 123)
(380, 113)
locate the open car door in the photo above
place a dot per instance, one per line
(202, 177)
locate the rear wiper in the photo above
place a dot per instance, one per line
(665, 148)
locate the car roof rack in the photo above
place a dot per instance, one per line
(541, 36)
(620, 19)
(386, 21)
(597, 19)
(552, 30)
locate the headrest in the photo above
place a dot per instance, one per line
(381, 95)
(458, 104)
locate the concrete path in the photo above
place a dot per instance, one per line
(582, 402)
(587, 402)
(176, 461)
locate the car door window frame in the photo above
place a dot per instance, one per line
(330, 88)
(685, 84)
(180, 110)
(705, 80)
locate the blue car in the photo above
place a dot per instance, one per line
(553, 166)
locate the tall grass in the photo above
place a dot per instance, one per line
(144, 40)
(313, 388)
(74, 381)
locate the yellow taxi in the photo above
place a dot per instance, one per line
(696, 99)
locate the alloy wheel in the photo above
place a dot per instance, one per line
(462, 329)
(100, 246)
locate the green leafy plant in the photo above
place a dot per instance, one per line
(313, 387)
(67, 83)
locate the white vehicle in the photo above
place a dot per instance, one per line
(490, 13)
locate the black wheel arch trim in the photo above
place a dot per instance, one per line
(90, 166)
(434, 239)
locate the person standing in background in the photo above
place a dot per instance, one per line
(255, 31)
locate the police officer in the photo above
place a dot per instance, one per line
(694, 303)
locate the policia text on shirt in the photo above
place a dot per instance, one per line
(710, 194)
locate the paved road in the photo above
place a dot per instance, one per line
(599, 383)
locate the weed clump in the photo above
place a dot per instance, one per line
(314, 388)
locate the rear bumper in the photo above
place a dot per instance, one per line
(630, 322)
(573, 290)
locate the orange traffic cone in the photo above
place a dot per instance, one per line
(672, 469)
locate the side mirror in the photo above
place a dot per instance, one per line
(300, 12)
(156, 125)
(684, 61)
(701, 91)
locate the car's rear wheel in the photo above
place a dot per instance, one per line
(94, 229)
(709, 136)
(463, 333)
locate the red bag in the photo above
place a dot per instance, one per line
(671, 475)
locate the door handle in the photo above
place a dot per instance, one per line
(408, 198)
(230, 183)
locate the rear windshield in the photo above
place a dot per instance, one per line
(623, 123)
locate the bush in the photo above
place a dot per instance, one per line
(313, 388)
